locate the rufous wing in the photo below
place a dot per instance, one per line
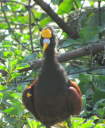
(27, 97)
(74, 98)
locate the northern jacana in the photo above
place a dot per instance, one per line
(53, 97)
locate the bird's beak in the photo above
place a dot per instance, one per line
(46, 43)
(45, 46)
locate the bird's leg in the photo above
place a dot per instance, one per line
(69, 125)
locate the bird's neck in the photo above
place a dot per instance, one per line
(50, 55)
(52, 78)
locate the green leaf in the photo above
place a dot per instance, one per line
(7, 44)
(99, 107)
(22, 66)
(91, 3)
(30, 57)
(14, 6)
(13, 62)
(65, 6)
(45, 21)
(3, 26)
(20, 19)
(88, 124)
(76, 122)
(3, 67)
(68, 42)
(17, 35)
(10, 110)
(2, 88)
(8, 54)
(100, 125)
(26, 36)
(36, 13)
(89, 33)
(85, 82)
(15, 95)
(14, 75)
(18, 52)
(40, 55)
(34, 124)
(16, 108)
(19, 88)
(78, 4)
(1, 95)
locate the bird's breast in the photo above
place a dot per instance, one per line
(52, 107)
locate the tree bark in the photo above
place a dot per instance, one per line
(84, 51)
(60, 22)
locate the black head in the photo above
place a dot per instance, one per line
(47, 39)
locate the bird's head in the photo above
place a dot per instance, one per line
(47, 39)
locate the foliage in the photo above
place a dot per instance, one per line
(19, 46)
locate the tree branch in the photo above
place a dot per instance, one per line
(64, 26)
(87, 50)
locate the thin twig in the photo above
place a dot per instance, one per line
(36, 21)
(6, 19)
(99, 17)
(30, 21)
(9, 27)
(9, 1)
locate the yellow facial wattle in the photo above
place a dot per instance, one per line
(28, 94)
(46, 33)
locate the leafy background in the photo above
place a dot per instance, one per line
(20, 25)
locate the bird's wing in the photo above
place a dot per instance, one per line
(74, 98)
(75, 85)
(27, 97)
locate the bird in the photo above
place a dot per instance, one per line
(53, 97)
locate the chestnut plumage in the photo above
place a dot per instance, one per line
(52, 98)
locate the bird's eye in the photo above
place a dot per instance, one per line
(46, 40)
(46, 33)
